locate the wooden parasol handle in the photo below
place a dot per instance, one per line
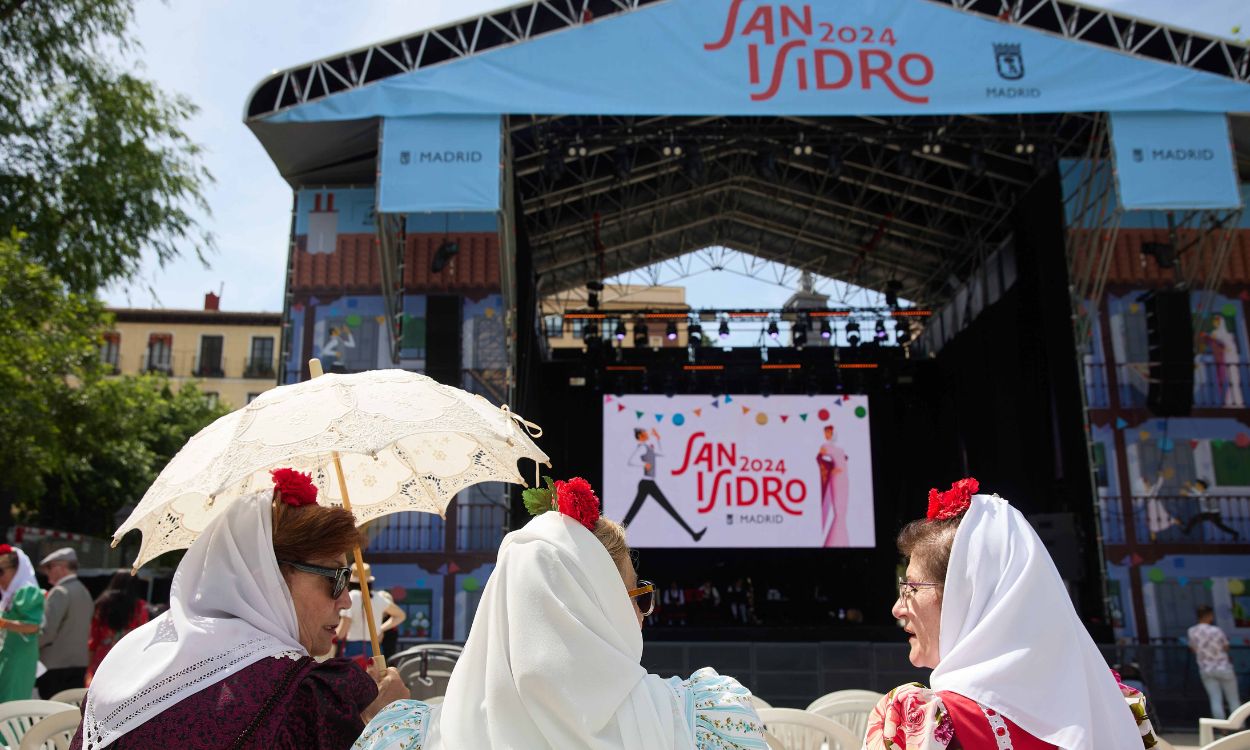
(366, 601)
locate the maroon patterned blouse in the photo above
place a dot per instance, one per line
(276, 704)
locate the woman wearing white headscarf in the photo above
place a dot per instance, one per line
(1013, 667)
(228, 665)
(21, 614)
(552, 660)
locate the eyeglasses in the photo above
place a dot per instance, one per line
(908, 588)
(340, 576)
(645, 594)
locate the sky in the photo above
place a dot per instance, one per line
(215, 52)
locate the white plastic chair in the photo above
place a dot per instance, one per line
(1238, 741)
(851, 711)
(73, 696)
(838, 694)
(54, 732)
(1207, 727)
(759, 702)
(801, 730)
(17, 717)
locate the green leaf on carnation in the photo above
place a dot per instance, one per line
(538, 500)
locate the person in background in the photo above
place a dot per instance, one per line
(67, 613)
(1210, 647)
(21, 612)
(118, 611)
(353, 631)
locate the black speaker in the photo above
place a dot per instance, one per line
(1170, 337)
(442, 338)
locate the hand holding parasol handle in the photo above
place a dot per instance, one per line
(379, 661)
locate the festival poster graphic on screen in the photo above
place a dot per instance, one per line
(739, 471)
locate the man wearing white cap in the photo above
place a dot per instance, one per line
(67, 613)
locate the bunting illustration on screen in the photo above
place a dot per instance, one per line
(644, 457)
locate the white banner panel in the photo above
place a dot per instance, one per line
(739, 471)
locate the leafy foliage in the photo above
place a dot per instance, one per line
(538, 499)
(94, 165)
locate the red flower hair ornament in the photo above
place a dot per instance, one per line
(574, 498)
(949, 504)
(5, 549)
(297, 489)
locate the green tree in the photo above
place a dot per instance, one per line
(94, 165)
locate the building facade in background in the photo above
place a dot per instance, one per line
(231, 356)
(564, 332)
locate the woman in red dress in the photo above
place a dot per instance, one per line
(118, 611)
(1013, 667)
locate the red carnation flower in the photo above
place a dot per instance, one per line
(297, 489)
(576, 499)
(5, 549)
(944, 505)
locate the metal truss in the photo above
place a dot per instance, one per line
(1118, 31)
(360, 67)
(528, 20)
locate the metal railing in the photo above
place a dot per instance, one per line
(406, 532)
(163, 364)
(1183, 519)
(209, 368)
(1216, 385)
(260, 368)
(480, 528)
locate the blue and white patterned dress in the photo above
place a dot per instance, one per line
(717, 710)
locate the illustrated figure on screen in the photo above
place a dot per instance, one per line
(834, 490)
(644, 456)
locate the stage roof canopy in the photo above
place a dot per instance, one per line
(887, 142)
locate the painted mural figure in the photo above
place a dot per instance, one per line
(1227, 361)
(834, 490)
(645, 455)
(1208, 509)
(1158, 519)
(340, 338)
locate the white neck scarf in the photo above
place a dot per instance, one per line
(25, 576)
(229, 608)
(1011, 640)
(553, 656)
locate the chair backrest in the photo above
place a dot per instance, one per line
(839, 694)
(759, 702)
(1238, 741)
(442, 649)
(1236, 720)
(54, 732)
(73, 696)
(850, 711)
(772, 741)
(802, 730)
(17, 717)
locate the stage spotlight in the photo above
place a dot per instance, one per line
(852, 333)
(826, 330)
(572, 150)
(667, 150)
(723, 332)
(773, 331)
(640, 334)
(592, 294)
(443, 255)
(590, 332)
(902, 331)
(798, 333)
(620, 330)
(892, 288)
(880, 329)
(670, 331)
(694, 332)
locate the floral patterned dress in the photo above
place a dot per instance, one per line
(913, 717)
(716, 708)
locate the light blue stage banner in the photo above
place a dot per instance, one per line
(439, 163)
(1174, 160)
(750, 57)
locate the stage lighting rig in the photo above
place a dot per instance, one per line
(670, 331)
(880, 329)
(694, 332)
(798, 333)
(902, 331)
(592, 294)
(826, 330)
(773, 331)
(723, 332)
(892, 288)
(640, 334)
(852, 333)
(620, 330)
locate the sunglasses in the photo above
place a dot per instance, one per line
(645, 594)
(340, 576)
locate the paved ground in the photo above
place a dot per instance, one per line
(1181, 741)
